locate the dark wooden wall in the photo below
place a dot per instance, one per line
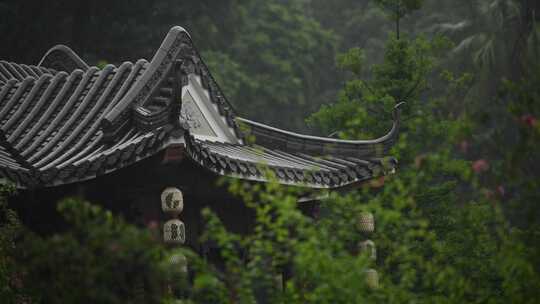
(134, 193)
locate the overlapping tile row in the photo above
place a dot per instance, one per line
(49, 125)
(19, 72)
(9, 163)
(101, 158)
(249, 162)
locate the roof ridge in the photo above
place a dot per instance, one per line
(150, 79)
(176, 49)
(62, 58)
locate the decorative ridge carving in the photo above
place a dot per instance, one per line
(62, 58)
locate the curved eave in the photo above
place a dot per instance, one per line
(107, 161)
(295, 169)
(289, 141)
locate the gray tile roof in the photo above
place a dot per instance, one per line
(18, 72)
(253, 161)
(63, 121)
(50, 123)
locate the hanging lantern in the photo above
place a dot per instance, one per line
(172, 201)
(366, 222)
(372, 278)
(368, 247)
(174, 232)
(178, 262)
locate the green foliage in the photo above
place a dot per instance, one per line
(458, 223)
(10, 230)
(275, 66)
(101, 259)
(442, 233)
(362, 103)
(352, 60)
(284, 239)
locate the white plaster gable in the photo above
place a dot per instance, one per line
(202, 116)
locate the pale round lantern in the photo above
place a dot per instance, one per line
(174, 232)
(172, 201)
(366, 222)
(367, 247)
(372, 278)
(179, 262)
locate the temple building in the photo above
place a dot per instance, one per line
(119, 135)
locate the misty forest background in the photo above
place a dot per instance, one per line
(458, 223)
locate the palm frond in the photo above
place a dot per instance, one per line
(469, 43)
(485, 56)
(451, 28)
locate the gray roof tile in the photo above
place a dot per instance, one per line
(63, 121)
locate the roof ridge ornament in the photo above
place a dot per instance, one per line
(62, 58)
(396, 112)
